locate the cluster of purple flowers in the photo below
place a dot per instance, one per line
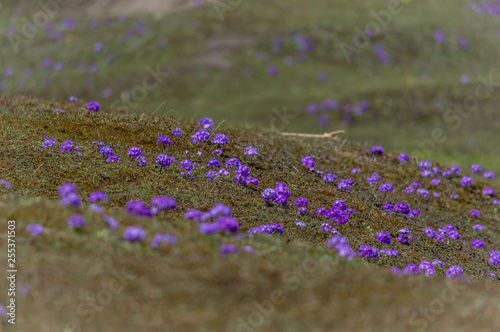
(76, 221)
(385, 187)
(164, 160)
(48, 141)
(477, 244)
(367, 251)
(134, 152)
(164, 140)
(279, 195)
(243, 176)
(220, 139)
(341, 244)
(134, 234)
(384, 237)
(454, 272)
(339, 213)
(377, 150)
(160, 238)
(273, 228)
(200, 136)
(250, 150)
(345, 184)
(68, 194)
(494, 257)
(35, 229)
(404, 236)
(301, 205)
(206, 123)
(374, 178)
(93, 106)
(308, 162)
(389, 252)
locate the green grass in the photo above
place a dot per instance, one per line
(189, 286)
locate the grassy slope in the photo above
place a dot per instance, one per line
(404, 104)
(189, 286)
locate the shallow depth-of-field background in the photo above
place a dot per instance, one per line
(258, 68)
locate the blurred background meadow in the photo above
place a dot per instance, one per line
(420, 77)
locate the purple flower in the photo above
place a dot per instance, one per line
(5, 183)
(489, 175)
(455, 169)
(494, 257)
(113, 159)
(475, 213)
(477, 244)
(163, 140)
(35, 229)
(206, 123)
(430, 232)
(76, 221)
(489, 191)
(409, 190)
(387, 207)
(389, 252)
(249, 150)
(308, 161)
(220, 139)
(385, 187)
(193, 215)
(423, 192)
(98, 196)
(453, 196)
(438, 263)
(404, 236)
(454, 271)
(466, 181)
(186, 164)
(163, 160)
(71, 199)
(301, 202)
(384, 237)
(134, 234)
(227, 248)
(439, 36)
(141, 161)
(282, 190)
(217, 152)
(377, 150)
(341, 244)
(93, 106)
(273, 228)
(138, 208)
(300, 223)
(106, 151)
(367, 251)
(227, 224)
(435, 182)
(403, 157)
(160, 238)
(355, 170)
(382, 55)
(329, 177)
(411, 269)
(478, 227)
(49, 141)
(272, 70)
(424, 164)
(402, 208)
(232, 163)
(111, 223)
(200, 136)
(67, 146)
(177, 132)
(374, 178)
(66, 189)
(269, 194)
(345, 184)
(213, 163)
(162, 203)
(476, 169)
(427, 173)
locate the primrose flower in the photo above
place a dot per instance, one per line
(160, 238)
(377, 150)
(138, 208)
(141, 161)
(98, 196)
(76, 221)
(427, 173)
(489, 175)
(232, 163)
(249, 150)
(388, 208)
(49, 141)
(217, 152)
(227, 249)
(200, 136)
(193, 215)
(404, 236)
(403, 157)
(273, 228)
(329, 177)
(71, 199)
(227, 224)
(478, 227)
(367, 251)
(93, 106)
(411, 269)
(162, 139)
(282, 190)
(206, 123)
(402, 208)
(134, 234)
(67, 188)
(430, 232)
(177, 132)
(162, 203)
(423, 192)
(5, 183)
(269, 194)
(213, 163)
(454, 271)
(435, 182)
(300, 223)
(163, 160)
(35, 229)
(113, 159)
(384, 237)
(466, 181)
(345, 184)
(494, 257)
(308, 161)
(67, 146)
(477, 244)
(374, 178)
(476, 169)
(134, 152)
(355, 170)
(106, 151)
(220, 139)
(489, 191)
(111, 223)
(424, 164)
(341, 244)
(475, 213)
(385, 187)
(409, 190)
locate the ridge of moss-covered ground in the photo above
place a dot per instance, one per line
(189, 286)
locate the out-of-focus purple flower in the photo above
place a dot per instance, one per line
(453, 196)
(430, 232)
(111, 223)
(389, 252)
(377, 150)
(439, 36)
(427, 173)
(300, 223)
(193, 215)
(374, 178)
(249, 150)
(272, 70)
(95, 208)
(424, 164)
(162, 203)
(403, 157)
(113, 159)
(367, 251)
(384, 237)
(475, 213)
(141, 161)
(385, 187)
(138, 208)
(7, 184)
(341, 244)
(478, 227)
(71, 199)
(494, 257)
(489, 175)
(160, 238)
(206, 123)
(98, 196)
(93, 106)
(466, 181)
(76, 221)
(213, 163)
(308, 161)
(476, 169)
(411, 269)
(387, 207)
(200, 136)
(489, 191)
(35, 229)
(227, 249)
(345, 184)
(355, 170)
(273, 228)
(435, 182)
(454, 271)
(477, 244)
(163, 160)
(382, 54)
(462, 42)
(438, 263)
(67, 146)
(423, 192)
(134, 234)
